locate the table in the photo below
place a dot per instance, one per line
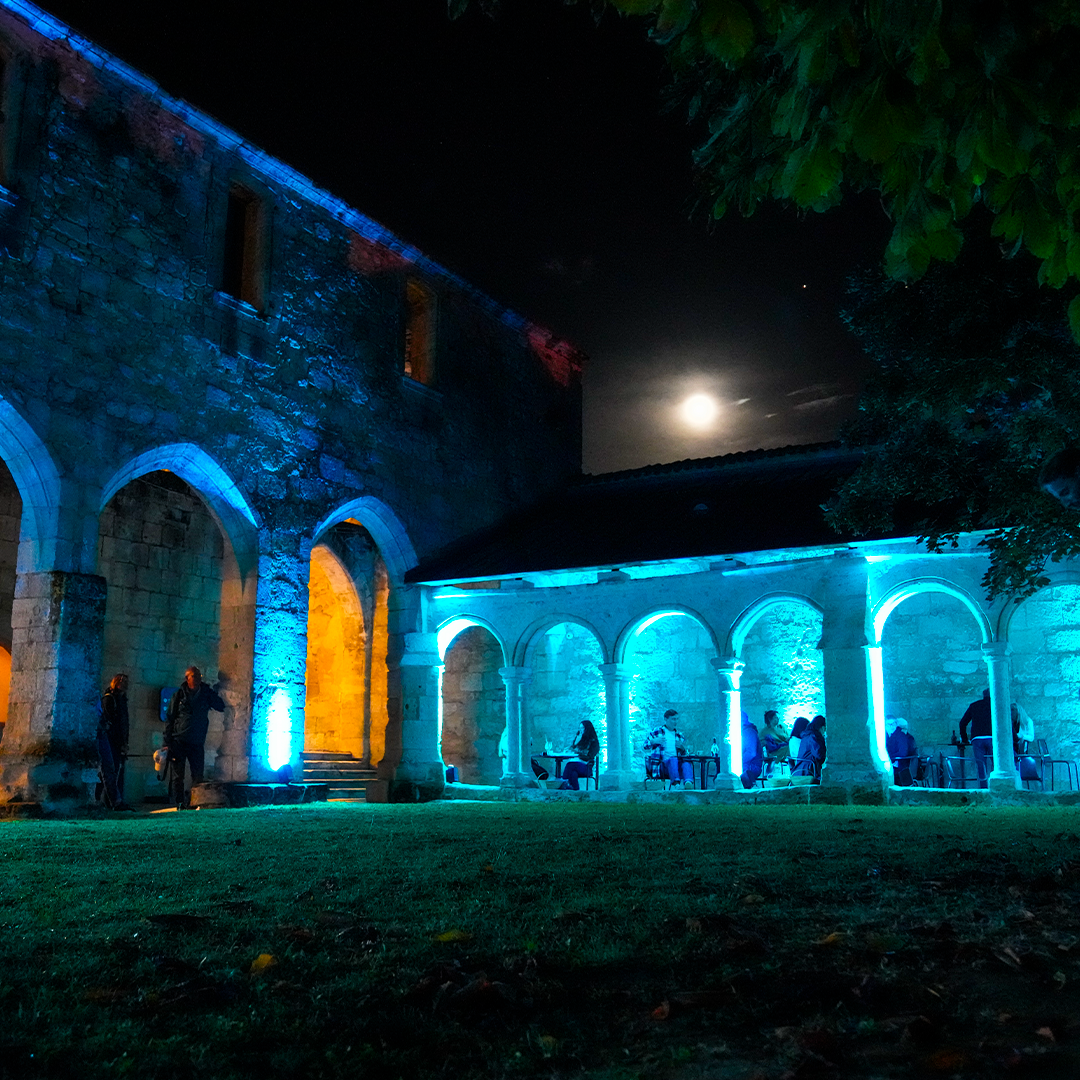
(703, 759)
(558, 759)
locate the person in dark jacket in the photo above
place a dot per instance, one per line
(812, 751)
(979, 738)
(903, 753)
(185, 731)
(112, 741)
(751, 753)
(587, 747)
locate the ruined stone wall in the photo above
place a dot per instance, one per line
(671, 660)
(784, 667)
(566, 688)
(162, 557)
(1045, 636)
(474, 706)
(933, 665)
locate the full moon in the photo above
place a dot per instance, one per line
(699, 410)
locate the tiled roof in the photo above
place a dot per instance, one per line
(710, 507)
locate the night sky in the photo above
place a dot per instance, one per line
(534, 155)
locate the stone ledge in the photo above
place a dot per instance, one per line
(221, 796)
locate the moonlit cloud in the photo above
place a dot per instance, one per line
(822, 403)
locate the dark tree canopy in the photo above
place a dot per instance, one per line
(975, 387)
(937, 105)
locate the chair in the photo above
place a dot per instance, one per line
(960, 772)
(1032, 771)
(1070, 766)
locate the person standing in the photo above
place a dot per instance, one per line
(903, 753)
(980, 737)
(112, 740)
(185, 731)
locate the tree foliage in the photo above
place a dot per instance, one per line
(936, 104)
(974, 387)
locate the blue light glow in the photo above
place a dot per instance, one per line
(876, 677)
(279, 730)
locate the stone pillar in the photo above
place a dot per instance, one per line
(279, 675)
(421, 774)
(1004, 776)
(517, 768)
(729, 672)
(49, 755)
(619, 775)
(852, 732)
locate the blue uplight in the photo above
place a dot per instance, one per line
(279, 730)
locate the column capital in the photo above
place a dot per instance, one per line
(515, 674)
(615, 672)
(730, 668)
(995, 650)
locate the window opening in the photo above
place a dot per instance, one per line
(242, 275)
(419, 332)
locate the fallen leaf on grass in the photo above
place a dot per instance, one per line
(104, 995)
(662, 1011)
(1046, 1033)
(950, 1060)
(753, 898)
(262, 962)
(450, 936)
(299, 934)
(831, 939)
(548, 1045)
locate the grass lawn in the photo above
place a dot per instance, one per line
(476, 940)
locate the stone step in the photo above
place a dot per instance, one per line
(345, 776)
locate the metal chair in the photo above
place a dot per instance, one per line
(1070, 766)
(960, 772)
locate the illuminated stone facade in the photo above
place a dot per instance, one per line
(211, 371)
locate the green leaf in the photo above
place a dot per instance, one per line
(673, 19)
(727, 31)
(812, 174)
(635, 7)
(1074, 318)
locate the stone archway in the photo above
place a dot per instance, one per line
(669, 656)
(174, 598)
(473, 701)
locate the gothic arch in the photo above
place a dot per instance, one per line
(196, 467)
(386, 530)
(36, 476)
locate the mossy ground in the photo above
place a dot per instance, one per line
(490, 940)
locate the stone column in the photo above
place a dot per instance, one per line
(49, 755)
(729, 672)
(517, 769)
(619, 775)
(420, 775)
(279, 677)
(1004, 776)
(852, 735)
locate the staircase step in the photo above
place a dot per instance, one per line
(345, 776)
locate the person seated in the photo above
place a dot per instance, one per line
(812, 751)
(751, 753)
(1023, 728)
(663, 748)
(903, 753)
(587, 747)
(798, 730)
(774, 741)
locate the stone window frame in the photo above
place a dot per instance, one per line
(244, 273)
(420, 333)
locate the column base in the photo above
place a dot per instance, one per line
(417, 781)
(1004, 785)
(59, 779)
(726, 782)
(617, 780)
(519, 780)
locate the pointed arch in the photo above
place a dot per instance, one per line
(196, 467)
(38, 480)
(386, 529)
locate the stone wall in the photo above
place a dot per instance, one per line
(784, 668)
(566, 688)
(1045, 637)
(473, 706)
(933, 667)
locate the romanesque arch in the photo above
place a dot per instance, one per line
(564, 656)
(668, 655)
(778, 641)
(472, 699)
(925, 662)
(37, 483)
